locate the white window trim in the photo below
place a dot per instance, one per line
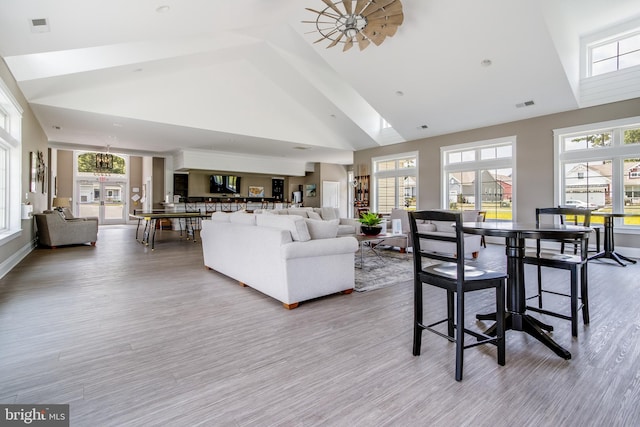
(394, 173)
(477, 164)
(12, 139)
(616, 152)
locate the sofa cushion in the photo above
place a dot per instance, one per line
(300, 212)
(293, 223)
(319, 229)
(221, 217)
(315, 215)
(242, 217)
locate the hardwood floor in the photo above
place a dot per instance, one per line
(131, 337)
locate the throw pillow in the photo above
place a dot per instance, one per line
(319, 229)
(328, 213)
(315, 215)
(293, 223)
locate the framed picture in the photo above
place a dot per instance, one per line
(255, 191)
(310, 190)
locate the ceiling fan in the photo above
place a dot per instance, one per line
(357, 21)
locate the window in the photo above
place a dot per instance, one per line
(479, 176)
(613, 55)
(598, 167)
(10, 160)
(394, 181)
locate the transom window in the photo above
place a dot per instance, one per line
(613, 55)
(479, 176)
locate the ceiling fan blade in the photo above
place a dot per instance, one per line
(330, 4)
(388, 11)
(359, 6)
(374, 34)
(347, 6)
(391, 20)
(363, 42)
(348, 45)
(376, 5)
(336, 41)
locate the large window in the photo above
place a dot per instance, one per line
(10, 161)
(394, 182)
(598, 167)
(479, 176)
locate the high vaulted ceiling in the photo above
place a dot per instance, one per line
(244, 76)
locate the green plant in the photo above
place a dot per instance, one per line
(370, 219)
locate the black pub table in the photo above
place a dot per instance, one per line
(515, 234)
(609, 247)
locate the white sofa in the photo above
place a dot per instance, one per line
(346, 226)
(277, 255)
(472, 243)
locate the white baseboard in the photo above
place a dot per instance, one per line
(15, 259)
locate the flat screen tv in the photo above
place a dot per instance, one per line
(224, 184)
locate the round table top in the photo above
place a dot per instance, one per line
(526, 230)
(613, 214)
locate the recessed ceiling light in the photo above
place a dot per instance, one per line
(137, 70)
(162, 9)
(399, 93)
(301, 148)
(56, 127)
(117, 125)
(423, 127)
(486, 62)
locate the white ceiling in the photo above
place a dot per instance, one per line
(244, 76)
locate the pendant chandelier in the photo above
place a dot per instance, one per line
(104, 163)
(357, 21)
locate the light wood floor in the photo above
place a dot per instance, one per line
(130, 337)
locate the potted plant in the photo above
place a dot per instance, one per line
(370, 223)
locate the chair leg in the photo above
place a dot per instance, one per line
(584, 294)
(450, 314)
(500, 324)
(539, 286)
(459, 335)
(574, 302)
(417, 314)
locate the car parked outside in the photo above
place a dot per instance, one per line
(573, 203)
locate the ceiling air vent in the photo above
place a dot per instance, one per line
(525, 104)
(40, 25)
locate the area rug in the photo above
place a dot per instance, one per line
(389, 268)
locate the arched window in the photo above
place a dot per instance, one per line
(87, 163)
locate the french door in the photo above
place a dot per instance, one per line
(103, 199)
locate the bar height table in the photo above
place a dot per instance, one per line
(609, 246)
(515, 234)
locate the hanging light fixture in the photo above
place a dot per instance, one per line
(104, 162)
(360, 21)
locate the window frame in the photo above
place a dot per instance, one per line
(477, 165)
(617, 152)
(11, 142)
(394, 173)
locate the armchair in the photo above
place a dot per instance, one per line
(54, 230)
